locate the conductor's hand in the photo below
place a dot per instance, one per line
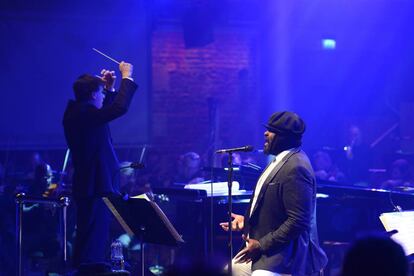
(251, 252)
(237, 223)
(126, 69)
(109, 79)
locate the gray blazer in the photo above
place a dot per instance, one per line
(284, 219)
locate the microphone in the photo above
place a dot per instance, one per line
(245, 149)
(133, 165)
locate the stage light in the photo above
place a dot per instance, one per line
(328, 44)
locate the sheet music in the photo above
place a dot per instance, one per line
(162, 216)
(118, 216)
(219, 188)
(142, 196)
(403, 222)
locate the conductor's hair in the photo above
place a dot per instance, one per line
(85, 85)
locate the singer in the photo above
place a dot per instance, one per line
(279, 226)
(87, 134)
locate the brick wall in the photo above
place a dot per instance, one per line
(184, 79)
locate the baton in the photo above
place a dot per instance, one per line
(108, 57)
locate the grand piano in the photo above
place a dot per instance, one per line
(343, 213)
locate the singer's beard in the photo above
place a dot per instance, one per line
(281, 143)
(266, 147)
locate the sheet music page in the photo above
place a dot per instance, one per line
(218, 187)
(142, 196)
(118, 217)
(403, 222)
(167, 222)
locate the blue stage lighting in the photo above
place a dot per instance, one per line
(328, 44)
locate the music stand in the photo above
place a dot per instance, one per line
(144, 219)
(403, 223)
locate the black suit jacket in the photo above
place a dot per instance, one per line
(88, 137)
(284, 219)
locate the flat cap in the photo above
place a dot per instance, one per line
(286, 123)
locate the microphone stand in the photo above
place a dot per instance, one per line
(230, 206)
(230, 202)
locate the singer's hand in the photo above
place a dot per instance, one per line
(237, 223)
(126, 69)
(251, 252)
(109, 78)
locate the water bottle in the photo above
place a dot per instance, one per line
(117, 258)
